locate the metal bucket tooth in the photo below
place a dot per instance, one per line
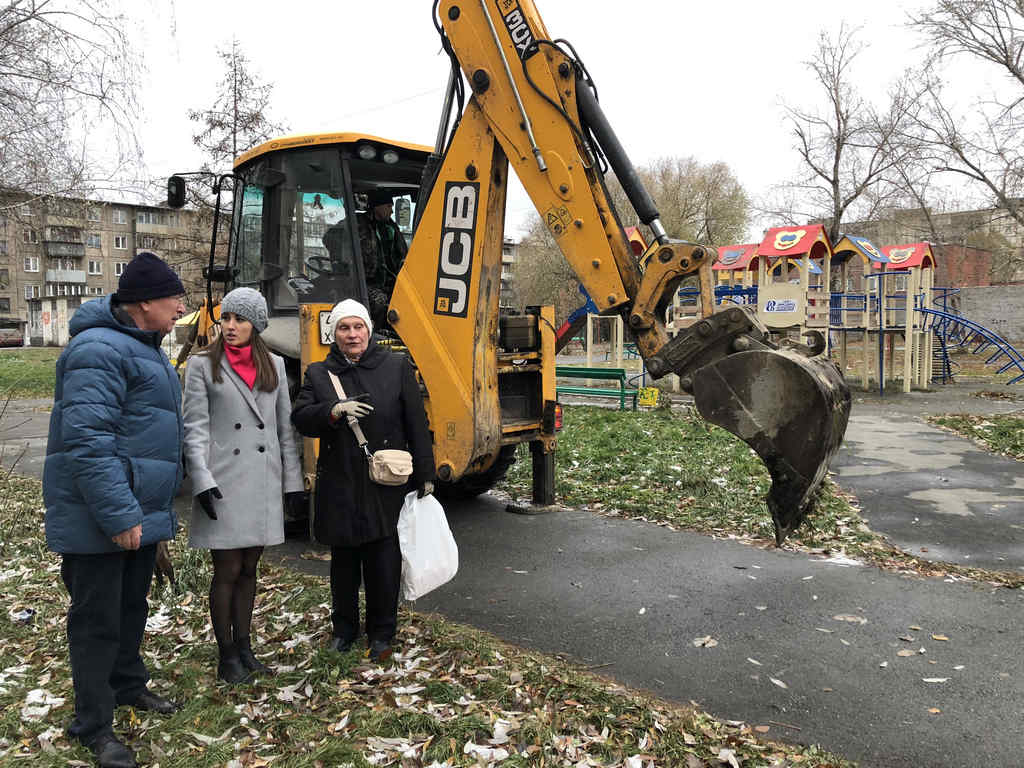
(792, 410)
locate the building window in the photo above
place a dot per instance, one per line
(32, 264)
(92, 240)
(97, 291)
(31, 291)
(95, 267)
(121, 242)
(120, 217)
(26, 210)
(119, 267)
(148, 241)
(94, 213)
(5, 277)
(30, 236)
(3, 247)
(145, 217)
(5, 306)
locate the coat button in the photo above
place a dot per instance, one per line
(261, 426)
(237, 451)
(262, 449)
(238, 426)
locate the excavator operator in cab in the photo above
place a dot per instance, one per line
(380, 235)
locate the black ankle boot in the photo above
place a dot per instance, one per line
(230, 668)
(249, 661)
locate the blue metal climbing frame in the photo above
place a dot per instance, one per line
(953, 330)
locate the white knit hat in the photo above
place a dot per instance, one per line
(348, 308)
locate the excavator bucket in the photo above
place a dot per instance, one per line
(792, 410)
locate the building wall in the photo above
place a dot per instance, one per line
(66, 247)
(998, 307)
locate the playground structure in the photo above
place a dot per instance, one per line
(891, 297)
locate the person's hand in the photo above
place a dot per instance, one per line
(130, 539)
(205, 499)
(426, 489)
(296, 503)
(350, 406)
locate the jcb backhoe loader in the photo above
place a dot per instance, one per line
(488, 377)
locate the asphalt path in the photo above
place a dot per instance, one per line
(803, 645)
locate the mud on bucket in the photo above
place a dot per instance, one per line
(792, 410)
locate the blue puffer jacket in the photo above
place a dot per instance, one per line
(113, 456)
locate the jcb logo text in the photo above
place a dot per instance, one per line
(455, 260)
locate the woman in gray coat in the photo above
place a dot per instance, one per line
(242, 456)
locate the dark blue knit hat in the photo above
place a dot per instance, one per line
(147, 277)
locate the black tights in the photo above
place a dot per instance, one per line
(232, 593)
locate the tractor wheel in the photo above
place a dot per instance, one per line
(471, 486)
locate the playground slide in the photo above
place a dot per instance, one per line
(955, 331)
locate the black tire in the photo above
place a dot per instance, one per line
(471, 486)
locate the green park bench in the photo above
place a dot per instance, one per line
(598, 374)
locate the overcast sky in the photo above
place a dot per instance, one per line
(675, 78)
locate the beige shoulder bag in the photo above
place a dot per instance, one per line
(388, 466)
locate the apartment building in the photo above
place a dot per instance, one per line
(509, 250)
(58, 247)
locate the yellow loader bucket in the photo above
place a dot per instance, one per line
(792, 410)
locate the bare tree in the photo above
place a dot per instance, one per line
(542, 275)
(981, 142)
(848, 147)
(66, 77)
(697, 202)
(238, 119)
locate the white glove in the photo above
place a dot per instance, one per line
(350, 406)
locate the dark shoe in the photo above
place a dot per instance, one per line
(111, 753)
(341, 645)
(150, 702)
(231, 670)
(380, 650)
(249, 660)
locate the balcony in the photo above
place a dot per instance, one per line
(65, 276)
(58, 250)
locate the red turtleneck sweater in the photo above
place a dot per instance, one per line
(241, 360)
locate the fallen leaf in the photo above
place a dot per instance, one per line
(826, 631)
(935, 679)
(940, 638)
(906, 652)
(915, 627)
(934, 710)
(778, 682)
(884, 664)
(907, 638)
(754, 661)
(762, 728)
(850, 618)
(705, 642)
(642, 611)
(728, 756)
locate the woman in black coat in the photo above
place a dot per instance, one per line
(355, 516)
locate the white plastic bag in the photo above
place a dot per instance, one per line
(430, 556)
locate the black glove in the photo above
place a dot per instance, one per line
(426, 488)
(296, 503)
(205, 499)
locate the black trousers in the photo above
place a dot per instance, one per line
(106, 622)
(378, 565)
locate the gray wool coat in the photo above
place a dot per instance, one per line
(242, 442)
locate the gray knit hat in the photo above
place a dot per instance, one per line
(247, 303)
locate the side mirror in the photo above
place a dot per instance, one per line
(403, 213)
(175, 192)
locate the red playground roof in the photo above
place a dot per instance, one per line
(794, 242)
(637, 244)
(735, 256)
(907, 256)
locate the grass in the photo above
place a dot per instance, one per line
(674, 469)
(28, 372)
(1002, 434)
(450, 691)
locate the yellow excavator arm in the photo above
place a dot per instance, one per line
(533, 106)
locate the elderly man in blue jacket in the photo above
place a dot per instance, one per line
(113, 467)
